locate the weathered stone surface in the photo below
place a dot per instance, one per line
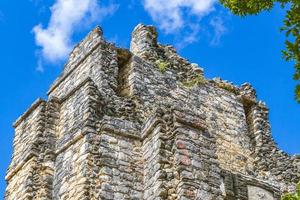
(145, 124)
(256, 193)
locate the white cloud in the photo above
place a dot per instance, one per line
(185, 19)
(191, 37)
(172, 15)
(67, 17)
(219, 29)
(40, 67)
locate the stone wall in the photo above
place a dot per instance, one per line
(145, 124)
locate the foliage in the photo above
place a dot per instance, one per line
(196, 80)
(295, 196)
(291, 26)
(162, 65)
(229, 88)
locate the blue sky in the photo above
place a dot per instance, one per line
(227, 46)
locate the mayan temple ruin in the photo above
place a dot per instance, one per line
(145, 124)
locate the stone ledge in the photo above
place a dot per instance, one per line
(27, 113)
(103, 126)
(110, 125)
(78, 136)
(16, 169)
(190, 120)
(82, 46)
(239, 183)
(149, 126)
(76, 65)
(75, 89)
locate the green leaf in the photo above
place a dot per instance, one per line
(291, 25)
(297, 93)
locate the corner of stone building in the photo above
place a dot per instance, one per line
(84, 46)
(32, 165)
(164, 58)
(144, 41)
(285, 171)
(99, 113)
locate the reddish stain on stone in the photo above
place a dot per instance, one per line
(185, 160)
(190, 194)
(180, 144)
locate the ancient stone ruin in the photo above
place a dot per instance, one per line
(145, 124)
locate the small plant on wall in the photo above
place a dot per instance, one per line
(196, 80)
(295, 196)
(162, 65)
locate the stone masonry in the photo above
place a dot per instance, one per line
(145, 124)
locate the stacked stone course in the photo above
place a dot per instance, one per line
(117, 126)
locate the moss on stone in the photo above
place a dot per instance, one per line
(196, 80)
(229, 88)
(162, 65)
